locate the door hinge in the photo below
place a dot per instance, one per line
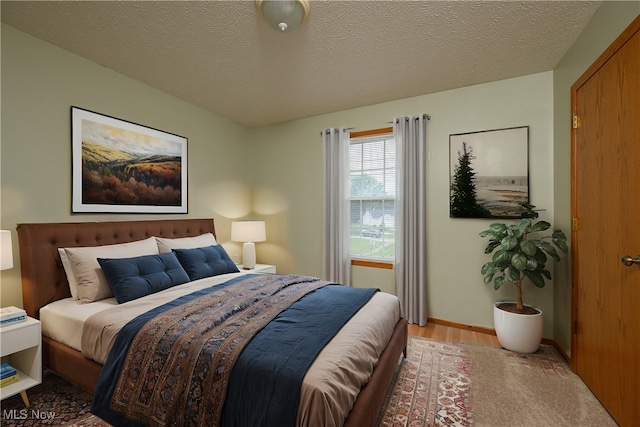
(576, 121)
(575, 224)
(575, 327)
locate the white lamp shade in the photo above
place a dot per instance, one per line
(248, 231)
(6, 252)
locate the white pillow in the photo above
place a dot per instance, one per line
(165, 245)
(71, 278)
(92, 284)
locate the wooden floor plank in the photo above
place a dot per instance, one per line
(453, 334)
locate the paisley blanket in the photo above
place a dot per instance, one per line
(172, 365)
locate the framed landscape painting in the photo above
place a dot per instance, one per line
(123, 167)
(489, 173)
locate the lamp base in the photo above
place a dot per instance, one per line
(248, 255)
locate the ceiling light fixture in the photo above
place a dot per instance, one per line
(283, 15)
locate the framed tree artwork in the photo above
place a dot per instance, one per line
(124, 167)
(489, 173)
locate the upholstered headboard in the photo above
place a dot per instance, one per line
(43, 277)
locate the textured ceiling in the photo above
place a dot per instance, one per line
(221, 55)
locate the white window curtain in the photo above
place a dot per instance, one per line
(336, 261)
(411, 216)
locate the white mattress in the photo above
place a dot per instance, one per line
(63, 320)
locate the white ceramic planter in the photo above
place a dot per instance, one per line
(521, 333)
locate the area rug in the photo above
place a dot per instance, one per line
(458, 384)
(55, 402)
(437, 384)
(432, 387)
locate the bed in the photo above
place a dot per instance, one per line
(44, 281)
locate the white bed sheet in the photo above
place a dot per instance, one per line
(64, 319)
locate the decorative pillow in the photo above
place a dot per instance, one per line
(92, 284)
(205, 262)
(165, 245)
(132, 278)
(71, 278)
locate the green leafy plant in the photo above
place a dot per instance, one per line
(518, 256)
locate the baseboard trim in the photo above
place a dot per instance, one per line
(479, 329)
(490, 331)
(555, 345)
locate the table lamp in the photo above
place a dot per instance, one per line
(248, 232)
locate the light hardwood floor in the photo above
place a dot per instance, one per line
(453, 334)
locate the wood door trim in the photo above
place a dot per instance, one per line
(627, 34)
(617, 44)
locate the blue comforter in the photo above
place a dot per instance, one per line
(264, 385)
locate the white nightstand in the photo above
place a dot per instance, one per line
(21, 344)
(260, 268)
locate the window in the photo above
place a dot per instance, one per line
(372, 176)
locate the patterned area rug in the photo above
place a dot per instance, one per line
(460, 385)
(432, 387)
(438, 384)
(55, 402)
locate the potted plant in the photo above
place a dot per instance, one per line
(518, 256)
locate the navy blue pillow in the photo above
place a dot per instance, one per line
(205, 262)
(131, 278)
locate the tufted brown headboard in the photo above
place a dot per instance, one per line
(43, 277)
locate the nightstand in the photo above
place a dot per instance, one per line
(21, 344)
(260, 268)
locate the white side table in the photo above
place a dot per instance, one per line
(260, 268)
(21, 343)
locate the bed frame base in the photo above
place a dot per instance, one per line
(70, 364)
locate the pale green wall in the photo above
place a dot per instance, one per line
(288, 189)
(607, 23)
(39, 84)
